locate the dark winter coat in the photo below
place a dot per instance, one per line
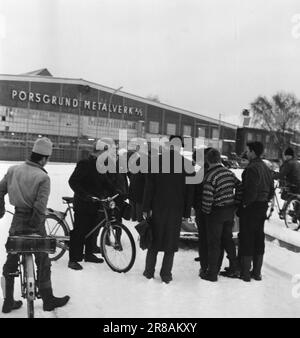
(290, 174)
(169, 198)
(86, 181)
(257, 181)
(136, 186)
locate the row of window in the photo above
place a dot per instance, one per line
(35, 121)
(171, 129)
(257, 137)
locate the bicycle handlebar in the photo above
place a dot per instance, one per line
(108, 199)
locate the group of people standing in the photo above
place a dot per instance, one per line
(218, 199)
(163, 198)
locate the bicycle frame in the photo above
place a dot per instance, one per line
(111, 228)
(105, 220)
(276, 203)
(28, 283)
(62, 216)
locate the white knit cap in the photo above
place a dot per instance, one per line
(42, 146)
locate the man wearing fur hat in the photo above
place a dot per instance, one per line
(28, 189)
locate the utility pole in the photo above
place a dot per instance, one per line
(109, 104)
(219, 132)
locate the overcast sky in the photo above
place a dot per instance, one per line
(208, 56)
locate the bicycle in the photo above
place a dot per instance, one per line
(274, 204)
(25, 247)
(292, 214)
(290, 209)
(116, 241)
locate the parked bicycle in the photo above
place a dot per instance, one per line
(289, 212)
(116, 241)
(292, 212)
(25, 247)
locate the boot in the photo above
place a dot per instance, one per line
(9, 303)
(93, 258)
(50, 302)
(246, 266)
(257, 264)
(208, 276)
(232, 271)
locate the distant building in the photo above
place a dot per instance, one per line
(247, 134)
(74, 112)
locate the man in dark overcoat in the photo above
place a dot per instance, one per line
(136, 190)
(87, 182)
(166, 199)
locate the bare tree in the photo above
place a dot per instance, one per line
(281, 116)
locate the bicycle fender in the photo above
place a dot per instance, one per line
(30, 277)
(56, 213)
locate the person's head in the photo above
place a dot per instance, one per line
(289, 154)
(254, 150)
(41, 151)
(213, 156)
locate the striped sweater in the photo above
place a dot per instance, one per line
(220, 188)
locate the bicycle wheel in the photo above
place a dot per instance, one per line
(30, 285)
(57, 229)
(292, 214)
(271, 206)
(118, 247)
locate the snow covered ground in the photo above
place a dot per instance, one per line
(98, 292)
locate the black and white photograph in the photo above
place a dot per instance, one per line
(150, 161)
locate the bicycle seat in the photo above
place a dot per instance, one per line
(68, 199)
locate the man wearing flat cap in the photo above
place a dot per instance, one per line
(87, 181)
(28, 189)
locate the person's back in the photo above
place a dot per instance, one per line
(28, 188)
(220, 188)
(289, 172)
(166, 200)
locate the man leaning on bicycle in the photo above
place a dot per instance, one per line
(86, 181)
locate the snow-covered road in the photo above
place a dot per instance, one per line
(98, 292)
